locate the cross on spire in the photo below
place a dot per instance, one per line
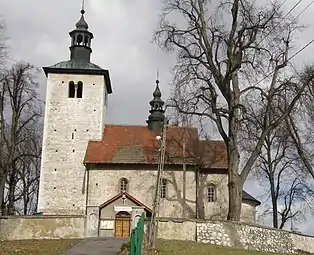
(83, 7)
(157, 76)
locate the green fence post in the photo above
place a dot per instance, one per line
(132, 241)
(141, 233)
(136, 241)
(137, 237)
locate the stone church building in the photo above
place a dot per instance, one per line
(108, 172)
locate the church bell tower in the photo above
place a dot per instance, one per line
(156, 117)
(76, 101)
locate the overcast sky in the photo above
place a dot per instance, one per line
(38, 32)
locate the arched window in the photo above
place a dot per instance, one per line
(71, 89)
(211, 193)
(123, 184)
(79, 39)
(86, 40)
(163, 188)
(79, 93)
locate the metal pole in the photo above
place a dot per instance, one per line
(154, 221)
(162, 164)
(184, 181)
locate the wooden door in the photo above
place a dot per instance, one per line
(122, 224)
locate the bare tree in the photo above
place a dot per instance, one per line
(302, 136)
(224, 50)
(286, 184)
(3, 56)
(298, 195)
(29, 171)
(20, 113)
(187, 150)
(3, 45)
(278, 165)
(272, 166)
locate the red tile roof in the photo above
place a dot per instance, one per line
(138, 145)
(213, 154)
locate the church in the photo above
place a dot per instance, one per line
(108, 172)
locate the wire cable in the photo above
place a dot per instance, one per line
(308, 6)
(295, 54)
(303, 48)
(282, 19)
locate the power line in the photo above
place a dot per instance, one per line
(308, 6)
(308, 44)
(298, 16)
(282, 19)
(299, 51)
(295, 54)
(303, 48)
(283, 2)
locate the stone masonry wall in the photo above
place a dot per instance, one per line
(239, 235)
(245, 236)
(68, 126)
(104, 184)
(302, 242)
(42, 227)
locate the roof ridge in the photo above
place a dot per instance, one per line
(134, 125)
(214, 140)
(124, 125)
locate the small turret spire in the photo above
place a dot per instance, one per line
(81, 39)
(156, 116)
(82, 24)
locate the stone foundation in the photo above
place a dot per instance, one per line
(42, 227)
(239, 235)
(245, 237)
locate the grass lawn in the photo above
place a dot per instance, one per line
(170, 247)
(35, 247)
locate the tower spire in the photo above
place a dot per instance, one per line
(81, 39)
(156, 116)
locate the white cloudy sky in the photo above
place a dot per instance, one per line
(38, 32)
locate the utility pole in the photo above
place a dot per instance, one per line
(156, 204)
(184, 139)
(184, 181)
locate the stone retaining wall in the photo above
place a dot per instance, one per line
(42, 227)
(239, 235)
(304, 243)
(245, 237)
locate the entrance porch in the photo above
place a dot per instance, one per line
(116, 217)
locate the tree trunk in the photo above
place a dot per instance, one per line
(11, 197)
(270, 172)
(235, 184)
(274, 204)
(2, 184)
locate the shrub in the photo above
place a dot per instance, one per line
(126, 246)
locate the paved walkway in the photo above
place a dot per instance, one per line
(97, 246)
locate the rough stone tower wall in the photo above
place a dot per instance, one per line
(69, 124)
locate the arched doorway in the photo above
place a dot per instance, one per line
(122, 224)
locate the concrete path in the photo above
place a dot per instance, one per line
(97, 246)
